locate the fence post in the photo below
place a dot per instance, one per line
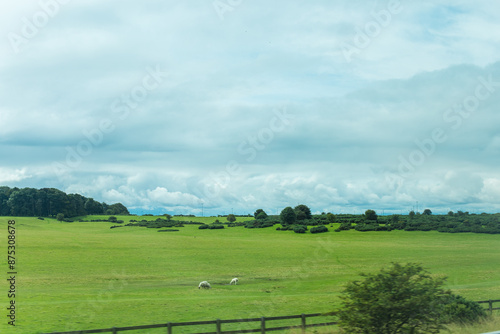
(114, 330)
(169, 328)
(263, 325)
(218, 326)
(303, 318)
(490, 303)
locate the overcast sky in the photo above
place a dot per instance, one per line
(234, 105)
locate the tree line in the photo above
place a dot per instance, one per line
(299, 218)
(49, 202)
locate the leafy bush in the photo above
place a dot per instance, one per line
(215, 226)
(260, 223)
(457, 309)
(203, 227)
(299, 229)
(319, 229)
(400, 299)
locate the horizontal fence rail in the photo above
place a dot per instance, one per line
(490, 304)
(218, 323)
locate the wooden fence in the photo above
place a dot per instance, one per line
(490, 304)
(218, 325)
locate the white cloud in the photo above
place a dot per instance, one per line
(8, 175)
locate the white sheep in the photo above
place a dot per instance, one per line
(234, 281)
(204, 285)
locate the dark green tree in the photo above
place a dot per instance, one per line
(427, 212)
(288, 216)
(260, 214)
(371, 215)
(330, 218)
(231, 218)
(394, 219)
(302, 212)
(116, 209)
(399, 299)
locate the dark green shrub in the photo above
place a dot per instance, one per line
(299, 229)
(319, 229)
(215, 226)
(260, 223)
(112, 219)
(457, 309)
(203, 227)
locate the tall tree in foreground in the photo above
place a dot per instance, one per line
(400, 299)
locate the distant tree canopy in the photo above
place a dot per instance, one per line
(288, 216)
(302, 212)
(371, 215)
(260, 214)
(48, 202)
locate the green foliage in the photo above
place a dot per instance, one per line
(260, 223)
(319, 229)
(302, 212)
(400, 299)
(299, 229)
(260, 214)
(112, 219)
(457, 309)
(330, 218)
(231, 218)
(48, 202)
(288, 216)
(60, 217)
(427, 212)
(371, 215)
(115, 209)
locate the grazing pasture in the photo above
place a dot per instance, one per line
(85, 275)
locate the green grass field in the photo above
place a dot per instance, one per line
(75, 276)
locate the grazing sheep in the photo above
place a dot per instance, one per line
(204, 285)
(234, 281)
